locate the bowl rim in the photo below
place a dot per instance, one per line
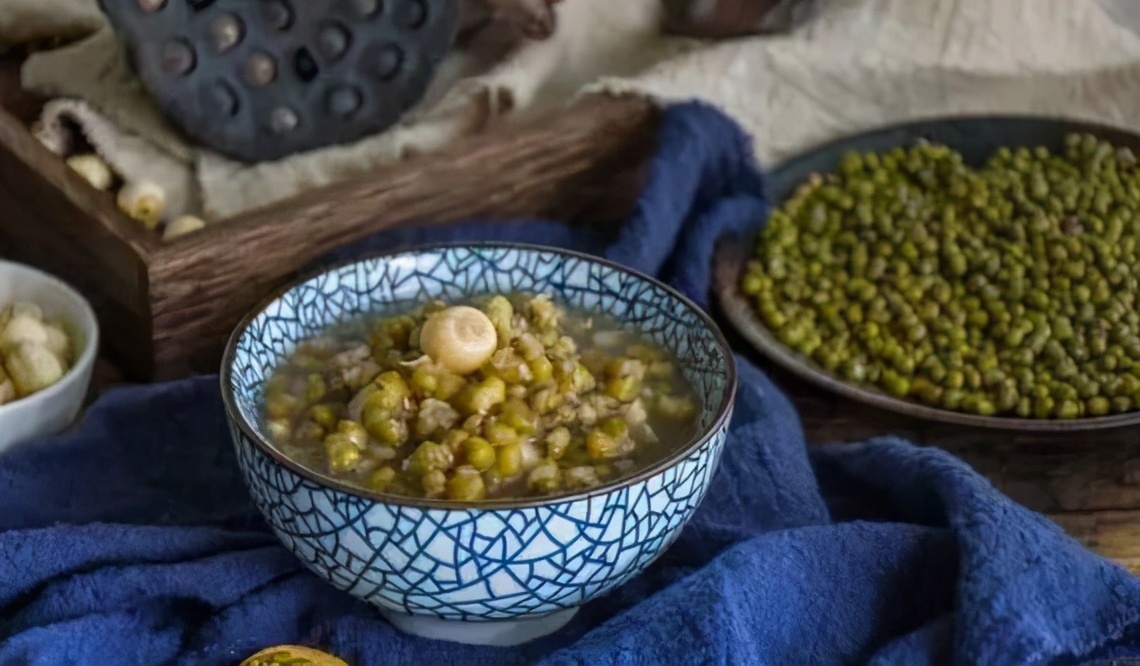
(89, 327)
(728, 393)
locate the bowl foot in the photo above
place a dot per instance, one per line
(500, 633)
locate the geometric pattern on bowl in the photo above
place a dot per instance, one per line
(499, 559)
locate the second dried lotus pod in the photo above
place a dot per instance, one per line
(262, 79)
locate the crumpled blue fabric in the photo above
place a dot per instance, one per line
(131, 539)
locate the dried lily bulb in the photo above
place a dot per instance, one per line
(33, 368)
(93, 169)
(34, 354)
(19, 308)
(182, 225)
(7, 388)
(143, 201)
(22, 328)
(58, 343)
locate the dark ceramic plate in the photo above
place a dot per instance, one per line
(976, 138)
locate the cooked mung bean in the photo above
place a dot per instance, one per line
(502, 397)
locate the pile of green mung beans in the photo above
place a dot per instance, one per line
(1008, 290)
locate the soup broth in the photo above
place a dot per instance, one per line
(504, 396)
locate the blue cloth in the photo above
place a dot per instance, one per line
(132, 540)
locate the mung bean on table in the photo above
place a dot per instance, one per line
(1008, 290)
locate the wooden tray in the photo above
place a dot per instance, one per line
(166, 309)
(977, 138)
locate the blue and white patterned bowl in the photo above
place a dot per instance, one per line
(497, 571)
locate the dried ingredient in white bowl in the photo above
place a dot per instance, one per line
(35, 353)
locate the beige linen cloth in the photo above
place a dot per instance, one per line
(847, 65)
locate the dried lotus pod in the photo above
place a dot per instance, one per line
(261, 79)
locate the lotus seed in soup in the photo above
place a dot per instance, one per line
(500, 397)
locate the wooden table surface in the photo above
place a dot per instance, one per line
(1088, 483)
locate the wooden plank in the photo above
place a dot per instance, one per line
(1047, 472)
(167, 309)
(17, 101)
(1089, 484)
(52, 219)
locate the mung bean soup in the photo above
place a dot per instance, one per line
(501, 397)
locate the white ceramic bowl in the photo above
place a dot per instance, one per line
(53, 409)
(500, 571)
